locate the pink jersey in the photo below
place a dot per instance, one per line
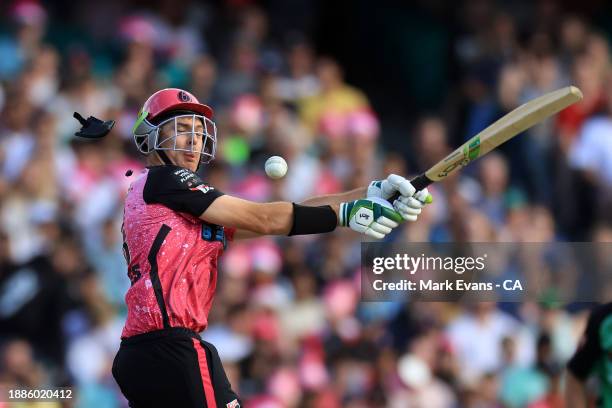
(172, 254)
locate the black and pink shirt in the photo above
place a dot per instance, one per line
(171, 253)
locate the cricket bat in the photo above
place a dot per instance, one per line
(510, 125)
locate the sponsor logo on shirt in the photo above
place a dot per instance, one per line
(233, 404)
(185, 175)
(203, 188)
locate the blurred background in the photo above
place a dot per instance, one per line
(347, 92)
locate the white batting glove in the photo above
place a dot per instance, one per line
(373, 217)
(409, 204)
(411, 207)
(385, 189)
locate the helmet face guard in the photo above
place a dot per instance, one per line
(148, 137)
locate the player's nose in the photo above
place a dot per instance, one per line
(195, 141)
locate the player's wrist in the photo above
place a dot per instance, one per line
(313, 220)
(343, 210)
(336, 208)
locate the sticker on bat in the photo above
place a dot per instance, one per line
(471, 151)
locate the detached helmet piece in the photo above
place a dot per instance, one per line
(168, 105)
(92, 127)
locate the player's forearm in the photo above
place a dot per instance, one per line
(274, 226)
(335, 199)
(245, 234)
(575, 391)
(248, 234)
(273, 219)
(276, 218)
(260, 218)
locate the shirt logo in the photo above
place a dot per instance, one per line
(203, 188)
(233, 404)
(185, 175)
(212, 232)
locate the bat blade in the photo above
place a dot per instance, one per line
(504, 129)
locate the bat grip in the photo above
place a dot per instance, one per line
(419, 183)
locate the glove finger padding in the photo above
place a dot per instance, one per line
(390, 214)
(374, 234)
(410, 202)
(411, 218)
(387, 222)
(411, 207)
(378, 227)
(402, 185)
(408, 216)
(424, 196)
(406, 209)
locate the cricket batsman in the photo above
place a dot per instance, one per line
(175, 227)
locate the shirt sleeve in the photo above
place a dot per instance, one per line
(589, 350)
(179, 189)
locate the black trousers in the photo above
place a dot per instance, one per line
(172, 368)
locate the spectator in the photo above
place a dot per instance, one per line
(335, 99)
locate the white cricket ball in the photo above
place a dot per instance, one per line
(276, 167)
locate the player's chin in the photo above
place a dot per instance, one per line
(190, 161)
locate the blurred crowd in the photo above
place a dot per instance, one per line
(287, 319)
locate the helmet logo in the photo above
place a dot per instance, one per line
(183, 96)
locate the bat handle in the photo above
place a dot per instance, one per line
(419, 183)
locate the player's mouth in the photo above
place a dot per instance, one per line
(190, 156)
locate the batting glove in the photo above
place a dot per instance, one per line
(409, 204)
(373, 217)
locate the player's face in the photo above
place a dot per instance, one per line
(189, 135)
